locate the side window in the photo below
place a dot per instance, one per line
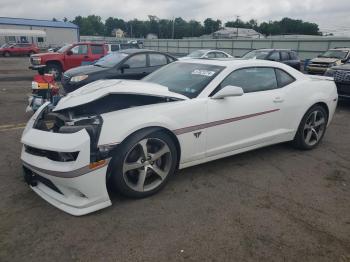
(137, 61)
(157, 60)
(114, 48)
(275, 56)
(171, 59)
(253, 79)
(220, 55)
(80, 50)
(97, 49)
(284, 56)
(283, 78)
(211, 55)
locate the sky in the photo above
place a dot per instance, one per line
(331, 15)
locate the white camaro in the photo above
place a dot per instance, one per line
(133, 135)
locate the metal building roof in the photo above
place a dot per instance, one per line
(22, 32)
(35, 22)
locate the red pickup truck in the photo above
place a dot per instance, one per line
(67, 57)
(18, 49)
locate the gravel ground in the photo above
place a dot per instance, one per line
(272, 204)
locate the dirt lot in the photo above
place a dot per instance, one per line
(273, 204)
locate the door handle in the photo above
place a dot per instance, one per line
(278, 100)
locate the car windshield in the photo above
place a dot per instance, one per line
(111, 59)
(339, 54)
(4, 46)
(64, 48)
(187, 79)
(256, 54)
(196, 54)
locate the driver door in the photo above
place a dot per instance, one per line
(78, 54)
(137, 67)
(244, 121)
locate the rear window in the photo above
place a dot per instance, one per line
(97, 49)
(283, 78)
(293, 56)
(157, 60)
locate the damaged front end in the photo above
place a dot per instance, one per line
(67, 123)
(62, 159)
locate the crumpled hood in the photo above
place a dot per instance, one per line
(325, 60)
(101, 88)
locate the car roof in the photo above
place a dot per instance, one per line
(231, 63)
(272, 49)
(341, 49)
(137, 50)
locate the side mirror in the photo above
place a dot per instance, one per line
(123, 67)
(228, 91)
(69, 52)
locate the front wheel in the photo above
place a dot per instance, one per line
(143, 165)
(312, 128)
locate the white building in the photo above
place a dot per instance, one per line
(234, 32)
(44, 33)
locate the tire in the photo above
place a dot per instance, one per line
(7, 54)
(54, 69)
(133, 175)
(311, 128)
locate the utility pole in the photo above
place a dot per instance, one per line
(237, 17)
(173, 31)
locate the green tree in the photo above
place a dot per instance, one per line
(210, 25)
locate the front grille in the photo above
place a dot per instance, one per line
(322, 65)
(342, 76)
(32, 178)
(52, 155)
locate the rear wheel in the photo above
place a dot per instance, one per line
(312, 128)
(143, 165)
(54, 69)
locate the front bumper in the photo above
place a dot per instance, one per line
(343, 89)
(78, 189)
(37, 67)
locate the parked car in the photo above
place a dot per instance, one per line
(67, 57)
(332, 57)
(118, 47)
(126, 64)
(341, 75)
(133, 135)
(206, 53)
(18, 49)
(284, 56)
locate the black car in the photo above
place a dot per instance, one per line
(341, 76)
(284, 56)
(125, 64)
